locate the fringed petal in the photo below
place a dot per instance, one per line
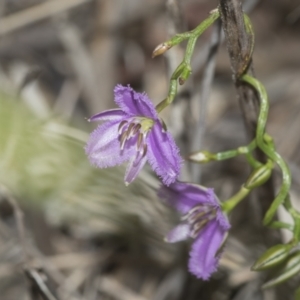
(179, 233)
(133, 103)
(108, 115)
(134, 167)
(184, 196)
(204, 256)
(103, 147)
(163, 154)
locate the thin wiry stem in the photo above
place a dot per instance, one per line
(205, 88)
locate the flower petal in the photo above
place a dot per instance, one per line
(134, 167)
(163, 154)
(133, 103)
(108, 115)
(184, 196)
(179, 233)
(204, 256)
(103, 147)
(222, 220)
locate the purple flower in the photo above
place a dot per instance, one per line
(202, 220)
(133, 133)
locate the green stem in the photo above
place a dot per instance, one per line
(231, 203)
(235, 152)
(196, 32)
(269, 151)
(253, 162)
(295, 215)
(184, 69)
(205, 156)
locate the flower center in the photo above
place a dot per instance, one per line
(198, 217)
(138, 128)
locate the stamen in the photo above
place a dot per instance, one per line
(197, 227)
(136, 128)
(195, 209)
(198, 216)
(129, 130)
(139, 141)
(121, 126)
(164, 126)
(145, 148)
(138, 158)
(123, 139)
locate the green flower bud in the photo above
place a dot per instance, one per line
(201, 157)
(272, 257)
(290, 268)
(258, 177)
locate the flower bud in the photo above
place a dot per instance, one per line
(258, 177)
(160, 49)
(290, 268)
(272, 257)
(200, 157)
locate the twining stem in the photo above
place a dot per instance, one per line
(257, 178)
(295, 215)
(269, 151)
(262, 140)
(184, 69)
(265, 143)
(180, 37)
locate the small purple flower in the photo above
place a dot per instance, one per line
(133, 133)
(202, 220)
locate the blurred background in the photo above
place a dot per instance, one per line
(70, 231)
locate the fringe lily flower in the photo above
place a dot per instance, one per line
(202, 220)
(133, 133)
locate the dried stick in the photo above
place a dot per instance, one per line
(39, 286)
(239, 49)
(37, 278)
